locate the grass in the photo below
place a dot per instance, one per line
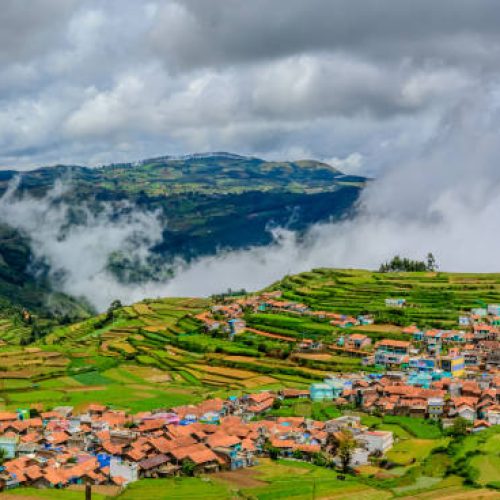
(176, 488)
(409, 451)
(417, 427)
(480, 454)
(49, 494)
(299, 480)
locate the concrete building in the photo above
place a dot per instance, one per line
(321, 392)
(376, 441)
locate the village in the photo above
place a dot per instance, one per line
(440, 376)
(103, 446)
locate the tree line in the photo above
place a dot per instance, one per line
(398, 264)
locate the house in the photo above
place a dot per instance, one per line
(467, 412)
(310, 345)
(96, 409)
(393, 346)
(435, 407)
(455, 365)
(295, 393)
(494, 309)
(338, 384)
(230, 447)
(493, 415)
(9, 445)
(126, 470)
(366, 320)
(321, 392)
(495, 320)
(376, 441)
(236, 325)
(480, 425)
(259, 403)
(151, 467)
(357, 341)
(422, 364)
(464, 321)
(392, 353)
(346, 422)
(389, 302)
(484, 331)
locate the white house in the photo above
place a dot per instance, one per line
(494, 309)
(464, 320)
(359, 457)
(376, 441)
(479, 311)
(118, 468)
(467, 412)
(493, 415)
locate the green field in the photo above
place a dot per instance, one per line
(434, 299)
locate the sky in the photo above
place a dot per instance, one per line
(362, 84)
(403, 91)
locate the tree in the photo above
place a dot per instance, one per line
(3, 455)
(319, 459)
(459, 427)
(271, 450)
(347, 444)
(277, 404)
(398, 264)
(188, 467)
(116, 304)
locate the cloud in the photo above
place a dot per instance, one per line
(404, 91)
(194, 33)
(446, 200)
(28, 28)
(77, 242)
(95, 82)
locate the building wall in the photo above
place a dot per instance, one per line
(123, 469)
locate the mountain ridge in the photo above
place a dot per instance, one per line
(206, 203)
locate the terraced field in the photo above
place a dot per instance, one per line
(148, 355)
(158, 345)
(433, 299)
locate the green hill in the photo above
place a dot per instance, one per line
(206, 203)
(432, 299)
(210, 201)
(20, 290)
(160, 345)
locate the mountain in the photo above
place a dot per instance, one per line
(206, 203)
(210, 201)
(28, 305)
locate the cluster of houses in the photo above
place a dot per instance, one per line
(398, 393)
(229, 317)
(58, 448)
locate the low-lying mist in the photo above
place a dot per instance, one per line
(445, 200)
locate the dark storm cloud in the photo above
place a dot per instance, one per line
(28, 28)
(200, 33)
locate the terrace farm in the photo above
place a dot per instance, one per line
(260, 395)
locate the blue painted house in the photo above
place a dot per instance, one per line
(321, 392)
